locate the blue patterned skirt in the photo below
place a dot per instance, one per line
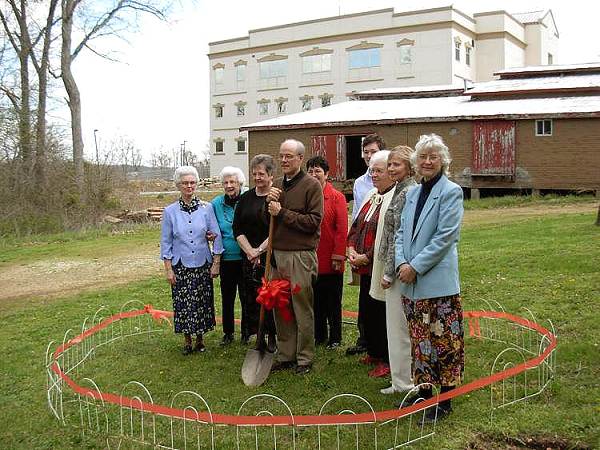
(193, 299)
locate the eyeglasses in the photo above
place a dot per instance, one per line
(188, 183)
(425, 156)
(286, 157)
(376, 170)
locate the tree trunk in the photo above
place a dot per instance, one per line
(42, 70)
(74, 98)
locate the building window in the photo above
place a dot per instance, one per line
(468, 55)
(306, 102)
(543, 127)
(273, 69)
(457, 50)
(326, 99)
(316, 63)
(240, 73)
(263, 108)
(281, 105)
(241, 109)
(368, 57)
(218, 146)
(405, 54)
(219, 111)
(241, 146)
(219, 76)
(550, 59)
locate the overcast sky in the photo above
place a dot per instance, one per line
(159, 94)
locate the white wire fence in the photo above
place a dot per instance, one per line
(131, 418)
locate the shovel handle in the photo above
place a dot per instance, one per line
(260, 341)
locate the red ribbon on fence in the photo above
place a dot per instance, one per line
(276, 294)
(157, 314)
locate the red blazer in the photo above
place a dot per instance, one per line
(334, 229)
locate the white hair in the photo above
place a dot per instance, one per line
(299, 145)
(379, 157)
(433, 143)
(230, 171)
(183, 171)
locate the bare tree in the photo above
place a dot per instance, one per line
(105, 23)
(24, 38)
(163, 159)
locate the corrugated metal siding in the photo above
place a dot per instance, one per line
(332, 147)
(494, 147)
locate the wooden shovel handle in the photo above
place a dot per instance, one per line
(260, 341)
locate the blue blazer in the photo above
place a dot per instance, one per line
(183, 235)
(431, 250)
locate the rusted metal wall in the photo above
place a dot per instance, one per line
(332, 147)
(494, 147)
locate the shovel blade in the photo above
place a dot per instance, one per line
(256, 367)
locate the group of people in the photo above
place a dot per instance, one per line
(402, 243)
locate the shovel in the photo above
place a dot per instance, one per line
(258, 361)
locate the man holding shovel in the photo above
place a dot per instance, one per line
(296, 204)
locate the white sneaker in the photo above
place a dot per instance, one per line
(388, 390)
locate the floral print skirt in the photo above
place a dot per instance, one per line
(437, 339)
(193, 299)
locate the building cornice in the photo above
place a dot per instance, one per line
(362, 35)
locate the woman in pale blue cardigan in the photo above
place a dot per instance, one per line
(427, 265)
(190, 264)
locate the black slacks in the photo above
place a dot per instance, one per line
(328, 307)
(231, 282)
(374, 321)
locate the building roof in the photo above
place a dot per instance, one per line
(530, 17)
(411, 91)
(436, 109)
(587, 82)
(532, 71)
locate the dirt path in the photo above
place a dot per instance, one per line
(55, 277)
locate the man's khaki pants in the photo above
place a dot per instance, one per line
(296, 338)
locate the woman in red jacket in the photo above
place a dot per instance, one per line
(331, 256)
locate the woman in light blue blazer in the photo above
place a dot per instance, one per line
(427, 265)
(190, 263)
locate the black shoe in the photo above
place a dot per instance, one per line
(283, 365)
(245, 339)
(410, 400)
(200, 347)
(303, 369)
(186, 350)
(442, 413)
(333, 345)
(227, 339)
(356, 350)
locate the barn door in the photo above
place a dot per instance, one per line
(332, 147)
(494, 148)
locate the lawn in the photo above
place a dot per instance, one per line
(549, 265)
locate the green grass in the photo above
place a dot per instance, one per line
(549, 265)
(93, 242)
(510, 201)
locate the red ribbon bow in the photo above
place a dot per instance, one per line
(157, 314)
(276, 294)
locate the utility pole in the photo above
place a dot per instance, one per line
(96, 142)
(183, 156)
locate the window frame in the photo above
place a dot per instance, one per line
(408, 49)
(370, 61)
(457, 51)
(219, 73)
(545, 131)
(243, 143)
(313, 59)
(266, 69)
(219, 111)
(219, 146)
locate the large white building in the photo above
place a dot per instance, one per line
(301, 66)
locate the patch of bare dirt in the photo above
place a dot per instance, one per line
(542, 442)
(56, 277)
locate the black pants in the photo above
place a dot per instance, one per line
(251, 281)
(328, 307)
(231, 281)
(374, 320)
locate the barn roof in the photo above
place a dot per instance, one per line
(436, 109)
(587, 82)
